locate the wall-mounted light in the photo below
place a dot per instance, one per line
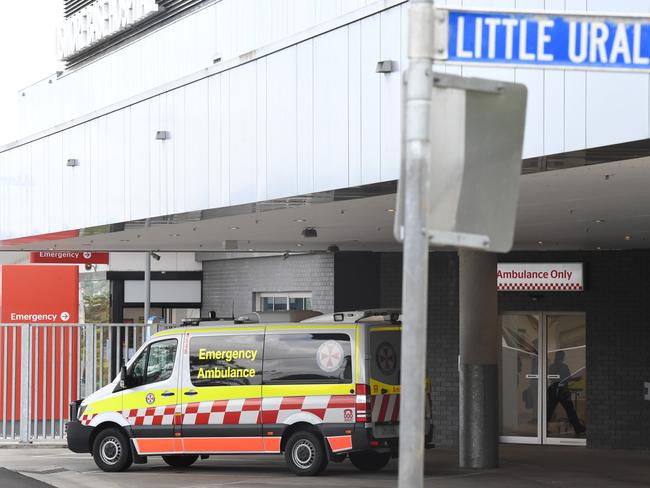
(385, 66)
(72, 162)
(163, 135)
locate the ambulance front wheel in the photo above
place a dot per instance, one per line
(305, 454)
(111, 450)
(369, 460)
(181, 461)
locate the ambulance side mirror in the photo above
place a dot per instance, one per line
(123, 377)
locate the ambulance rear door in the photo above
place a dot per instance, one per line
(384, 345)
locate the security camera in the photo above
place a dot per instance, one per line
(155, 256)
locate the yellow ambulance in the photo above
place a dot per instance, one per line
(318, 390)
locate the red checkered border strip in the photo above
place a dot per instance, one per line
(540, 286)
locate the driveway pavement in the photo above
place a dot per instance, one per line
(522, 466)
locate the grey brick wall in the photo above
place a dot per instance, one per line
(618, 339)
(617, 310)
(442, 334)
(239, 279)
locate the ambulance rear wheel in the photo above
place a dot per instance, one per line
(369, 460)
(111, 450)
(180, 461)
(305, 454)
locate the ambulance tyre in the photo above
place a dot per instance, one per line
(369, 460)
(111, 450)
(180, 461)
(305, 454)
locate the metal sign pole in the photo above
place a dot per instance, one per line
(416, 244)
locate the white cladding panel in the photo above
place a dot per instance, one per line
(170, 291)
(225, 29)
(314, 116)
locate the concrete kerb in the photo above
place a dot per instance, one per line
(33, 445)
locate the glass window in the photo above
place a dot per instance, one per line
(307, 358)
(280, 303)
(137, 369)
(157, 361)
(274, 301)
(267, 304)
(226, 360)
(160, 364)
(385, 347)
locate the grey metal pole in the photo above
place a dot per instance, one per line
(416, 245)
(25, 382)
(91, 350)
(478, 372)
(147, 291)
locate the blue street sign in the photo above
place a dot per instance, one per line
(570, 41)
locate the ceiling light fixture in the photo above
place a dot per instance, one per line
(174, 235)
(234, 228)
(599, 221)
(390, 210)
(300, 220)
(299, 244)
(628, 237)
(540, 242)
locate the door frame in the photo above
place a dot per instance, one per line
(542, 359)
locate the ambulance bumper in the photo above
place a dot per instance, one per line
(78, 436)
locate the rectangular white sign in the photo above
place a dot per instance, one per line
(540, 277)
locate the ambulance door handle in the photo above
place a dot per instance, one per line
(167, 393)
(191, 393)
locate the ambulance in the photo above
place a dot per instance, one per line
(319, 390)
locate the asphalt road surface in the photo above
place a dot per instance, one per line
(521, 466)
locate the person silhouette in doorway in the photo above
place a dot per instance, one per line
(558, 392)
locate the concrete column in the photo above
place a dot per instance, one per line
(478, 373)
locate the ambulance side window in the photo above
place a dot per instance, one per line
(226, 360)
(307, 358)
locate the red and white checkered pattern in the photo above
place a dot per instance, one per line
(273, 410)
(539, 286)
(163, 415)
(85, 419)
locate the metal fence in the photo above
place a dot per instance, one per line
(44, 367)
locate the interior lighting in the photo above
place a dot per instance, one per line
(390, 210)
(627, 238)
(300, 220)
(234, 228)
(600, 221)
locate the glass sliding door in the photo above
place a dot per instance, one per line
(543, 378)
(519, 378)
(566, 379)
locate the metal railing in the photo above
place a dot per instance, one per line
(44, 367)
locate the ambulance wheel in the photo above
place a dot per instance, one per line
(111, 450)
(180, 461)
(305, 454)
(369, 460)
